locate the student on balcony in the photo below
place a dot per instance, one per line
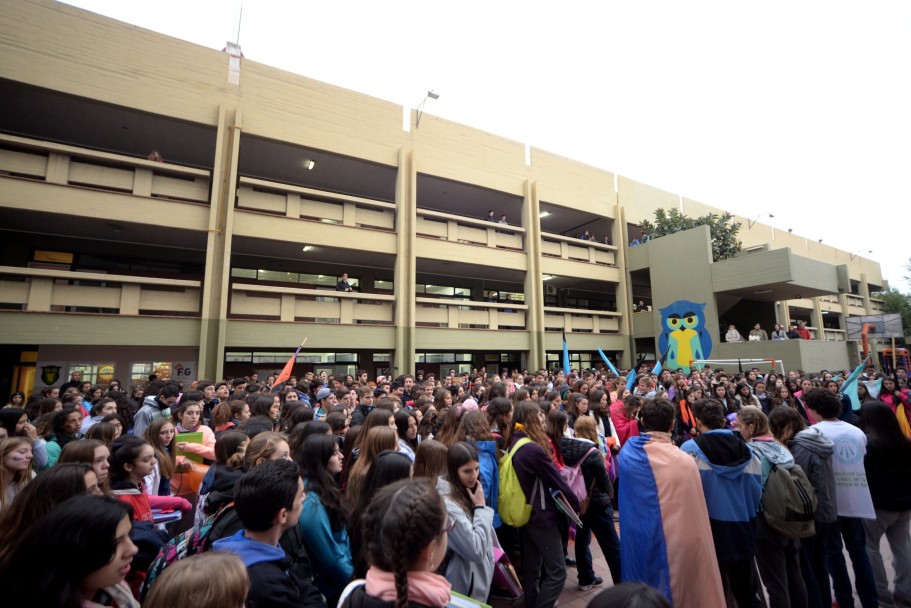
(733, 335)
(343, 285)
(757, 334)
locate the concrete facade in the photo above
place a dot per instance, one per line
(85, 98)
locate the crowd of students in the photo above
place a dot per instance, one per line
(371, 493)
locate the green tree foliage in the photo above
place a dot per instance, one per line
(895, 301)
(725, 243)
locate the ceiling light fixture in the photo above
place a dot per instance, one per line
(547, 277)
(544, 214)
(307, 248)
(309, 164)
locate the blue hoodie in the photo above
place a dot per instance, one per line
(732, 482)
(251, 551)
(490, 476)
(272, 584)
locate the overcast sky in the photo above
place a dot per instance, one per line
(798, 109)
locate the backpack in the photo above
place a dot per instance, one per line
(511, 504)
(789, 502)
(573, 477)
(183, 545)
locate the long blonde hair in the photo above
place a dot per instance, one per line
(586, 428)
(17, 480)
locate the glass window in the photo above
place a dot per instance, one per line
(277, 276)
(462, 292)
(439, 290)
(384, 285)
(139, 372)
(243, 273)
(238, 357)
(382, 357)
(322, 280)
(89, 371)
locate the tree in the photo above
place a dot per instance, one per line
(723, 229)
(895, 301)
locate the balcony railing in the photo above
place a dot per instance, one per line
(292, 304)
(569, 248)
(458, 314)
(856, 301)
(877, 305)
(836, 335)
(579, 320)
(314, 205)
(40, 290)
(70, 165)
(458, 229)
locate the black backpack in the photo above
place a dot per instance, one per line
(789, 502)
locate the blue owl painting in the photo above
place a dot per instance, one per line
(683, 335)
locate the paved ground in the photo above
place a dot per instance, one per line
(573, 598)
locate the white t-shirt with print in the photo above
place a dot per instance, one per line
(852, 494)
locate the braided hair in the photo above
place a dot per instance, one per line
(403, 519)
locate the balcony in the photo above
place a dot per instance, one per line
(578, 320)
(569, 256)
(856, 305)
(73, 166)
(39, 290)
(299, 305)
(84, 308)
(444, 236)
(455, 314)
(265, 209)
(878, 306)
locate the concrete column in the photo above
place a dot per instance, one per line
(405, 264)
(534, 278)
(620, 238)
(865, 294)
(782, 313)
(816, 320)
(843, 315)
(217, 278)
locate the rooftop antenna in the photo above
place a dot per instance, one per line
(240, 18)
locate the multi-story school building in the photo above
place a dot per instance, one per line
(222, 258)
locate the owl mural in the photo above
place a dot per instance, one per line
(683, 334)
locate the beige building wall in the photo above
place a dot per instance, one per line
(58, 47)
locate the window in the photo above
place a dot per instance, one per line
(139, 372)
(276, 276)
(89, 371)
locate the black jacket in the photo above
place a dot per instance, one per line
(274, 584)
(593, 468)
(359, 415)
(298, 562)
(889, 478)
